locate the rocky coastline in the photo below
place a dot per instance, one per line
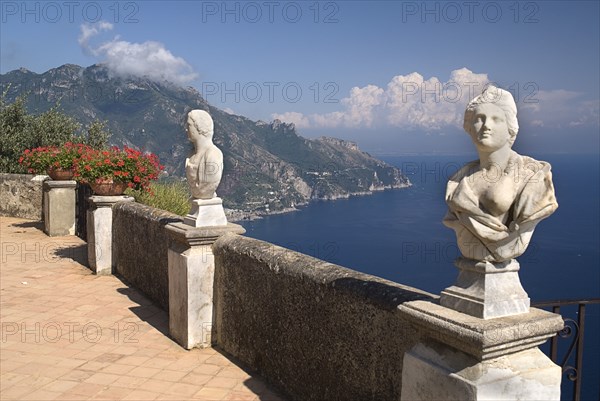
(237, 215)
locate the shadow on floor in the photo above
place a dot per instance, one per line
(258, 387)
(30, 224)
(263, 389)
(76, 252)
(159, 319)
(146, 310)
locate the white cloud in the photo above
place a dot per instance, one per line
(407, 101)
(411, 101)
(90, 30)
(148, 59)
(359, 111)
(361, 105)
(559, 109)
(298, 119)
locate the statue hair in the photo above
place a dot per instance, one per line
(498, 97)
(202, 121)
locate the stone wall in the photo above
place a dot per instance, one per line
(21, 195)
(140, 248)
(316, 330)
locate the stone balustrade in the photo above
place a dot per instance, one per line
(21, 195)
(317, 330)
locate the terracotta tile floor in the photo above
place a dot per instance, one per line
(70, 335)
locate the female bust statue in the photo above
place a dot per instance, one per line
(494, 203)
(205, 168)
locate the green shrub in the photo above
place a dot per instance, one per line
(20, 130)
(171, 196)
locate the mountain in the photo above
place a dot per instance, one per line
(268, 166)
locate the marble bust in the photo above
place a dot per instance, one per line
(495, 203)
(204, 168)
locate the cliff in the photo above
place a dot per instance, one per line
(268, 166)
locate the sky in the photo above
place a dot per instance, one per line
(394, 76)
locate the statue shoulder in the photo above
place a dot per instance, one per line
(530, 161)
(530, 168)
(214, 152)
(465, 171)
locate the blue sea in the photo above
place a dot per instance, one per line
(398, 235)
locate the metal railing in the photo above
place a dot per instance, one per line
(574, 330)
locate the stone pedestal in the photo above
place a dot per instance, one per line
(191, 279)
(486, 290)
(462, 357)
(99, 232)
(206, 213)
(59, 207)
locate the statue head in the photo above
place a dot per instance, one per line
(199, 123)
(499, 98)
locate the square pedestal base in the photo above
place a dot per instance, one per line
(99, 232)
(206, 213)
(191, 272)
(59, 207)
(433, 371)
(486, 290)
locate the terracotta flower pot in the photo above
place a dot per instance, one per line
(108, 187)
(60, 174)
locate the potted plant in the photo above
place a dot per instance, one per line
(57, 161)
(110, 172)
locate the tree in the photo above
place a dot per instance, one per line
(97, 135)
(14, 133)
(20, 130)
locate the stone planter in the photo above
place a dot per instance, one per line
(108, 187)
(60, 174)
